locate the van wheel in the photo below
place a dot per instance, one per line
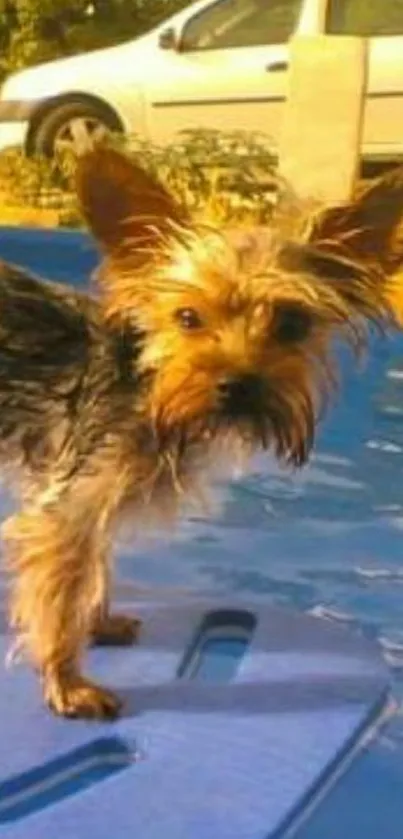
(70, 127)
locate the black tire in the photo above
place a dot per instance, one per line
(45, 135)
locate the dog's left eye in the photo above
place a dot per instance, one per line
(188, 319)
(291, 323)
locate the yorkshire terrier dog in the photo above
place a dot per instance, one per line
(198, 346)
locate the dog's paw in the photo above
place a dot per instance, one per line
(79, 698)
(116, 631)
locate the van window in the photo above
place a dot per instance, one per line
(365, 17)
(241, 23)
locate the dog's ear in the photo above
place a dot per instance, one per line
(368, 230)
(125, 208)
(357, 248)
(360, 288)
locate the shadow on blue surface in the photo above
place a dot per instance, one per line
(328, 540)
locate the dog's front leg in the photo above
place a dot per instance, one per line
(55, 556)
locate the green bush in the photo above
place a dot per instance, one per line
(217, 175)
(38, 183)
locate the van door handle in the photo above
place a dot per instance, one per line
(276, 66)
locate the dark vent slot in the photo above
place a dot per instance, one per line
(220, 644)
(67, 775)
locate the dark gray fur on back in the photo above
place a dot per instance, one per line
(59, 366)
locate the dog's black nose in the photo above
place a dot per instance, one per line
(240, 392)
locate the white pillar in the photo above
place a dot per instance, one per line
(323, 120)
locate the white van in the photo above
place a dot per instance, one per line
(217, 64)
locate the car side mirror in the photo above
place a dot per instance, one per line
(168, 39)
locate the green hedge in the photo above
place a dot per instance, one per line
(216, 174)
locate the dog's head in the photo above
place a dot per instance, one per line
(237, 326)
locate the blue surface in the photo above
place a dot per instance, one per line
(193, 756)
(327, 540)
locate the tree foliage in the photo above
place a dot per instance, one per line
(33, 31)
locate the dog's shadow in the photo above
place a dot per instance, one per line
(4, 622)
(287, 696)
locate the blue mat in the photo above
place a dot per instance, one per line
(62, 255)
(238, 716)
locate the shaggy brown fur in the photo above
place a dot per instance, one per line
(202, 345)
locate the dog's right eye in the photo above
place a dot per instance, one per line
(188, 319)
(291, 324)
